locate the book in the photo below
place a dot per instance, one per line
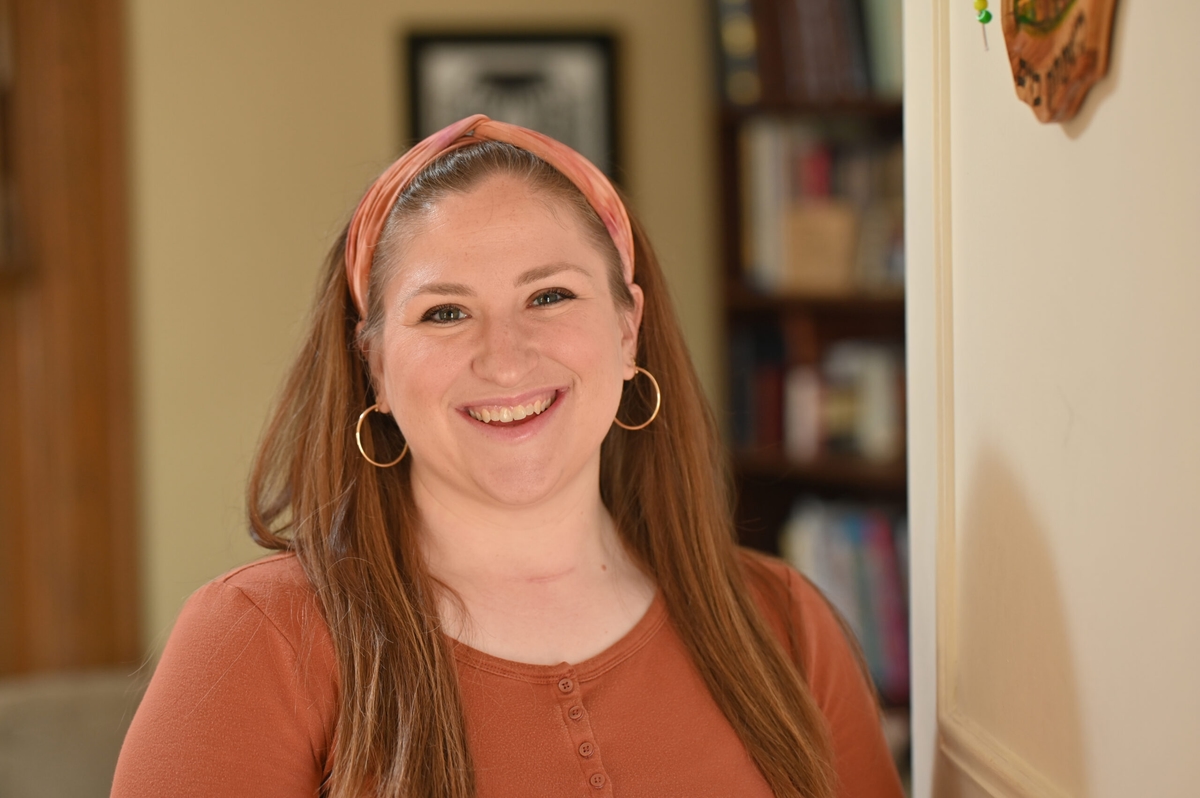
(850, 553)
(888, 605)
(822, 214)
(757, 377)
(855, 44)
(741, 382)
(884, 37)
(802, 414)
(765, 189)
(863, 412)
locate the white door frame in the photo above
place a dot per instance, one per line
(929, 345)
(943, 735)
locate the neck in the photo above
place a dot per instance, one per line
(543, 583)
(468, 540)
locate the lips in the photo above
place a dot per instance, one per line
(500, 415)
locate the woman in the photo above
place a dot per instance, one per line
(468, 501)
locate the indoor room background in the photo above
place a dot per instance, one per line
(1012, 376)
(254, 128)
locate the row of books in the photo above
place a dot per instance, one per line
(775, 51)
(858, 557)
(823, 210)
(850, 403)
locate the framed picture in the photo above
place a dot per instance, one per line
(560, 85)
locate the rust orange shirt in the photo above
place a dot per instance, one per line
(244, 700)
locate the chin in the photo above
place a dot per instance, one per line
(518, 485)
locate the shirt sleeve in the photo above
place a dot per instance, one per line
(237, 705)
(844, 695)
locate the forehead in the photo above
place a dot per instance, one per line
(502, 224)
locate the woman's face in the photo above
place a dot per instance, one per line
(502, 352)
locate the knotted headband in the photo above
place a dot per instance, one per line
(366, 226)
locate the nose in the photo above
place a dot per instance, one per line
(506, 353)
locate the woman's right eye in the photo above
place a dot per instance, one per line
(444, 314)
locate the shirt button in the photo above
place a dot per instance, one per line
(597, 781)
(566, 685)
(575, 713)
(586, 749)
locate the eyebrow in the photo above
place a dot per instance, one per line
(441, 289)
(549, 270)
(462, 289)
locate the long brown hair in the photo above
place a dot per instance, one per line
(401, 729)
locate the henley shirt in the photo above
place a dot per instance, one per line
(245, 699)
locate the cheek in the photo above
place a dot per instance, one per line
(417, 371)
(594, 352)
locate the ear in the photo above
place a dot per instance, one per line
(375, 364)
(631, 324)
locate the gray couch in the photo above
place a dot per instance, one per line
(60, 734)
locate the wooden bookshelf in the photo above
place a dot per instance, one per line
(887, 112)
(884, 305)
(792, 330)
(767, 481)
(847, 474)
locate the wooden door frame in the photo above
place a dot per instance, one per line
(68, 536)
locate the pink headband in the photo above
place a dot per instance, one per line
(367, 224)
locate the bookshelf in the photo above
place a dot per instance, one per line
(809, 138)
(768, 480)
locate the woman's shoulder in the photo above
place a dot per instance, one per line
(267, 581)
(827, 656)
(274, 572)
(249, 660)
(781, 591)
(268, 598)
(802, 618)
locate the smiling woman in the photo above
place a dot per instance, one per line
(497, 589)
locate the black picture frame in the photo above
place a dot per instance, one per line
(560, 84)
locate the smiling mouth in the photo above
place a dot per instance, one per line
(505, 414)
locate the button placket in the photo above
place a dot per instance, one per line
(578, 725)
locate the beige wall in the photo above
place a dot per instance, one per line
(1055, 386)
(255, 125)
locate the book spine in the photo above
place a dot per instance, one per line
(771, 47)
(765, 188)
(858, 79)
(741, 380)
(884, 34)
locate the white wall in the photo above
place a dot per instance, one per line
(255, 126)
(1055, 426)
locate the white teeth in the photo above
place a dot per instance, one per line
(505, 415)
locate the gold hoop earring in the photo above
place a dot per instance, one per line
(657, 403)
(358, 438)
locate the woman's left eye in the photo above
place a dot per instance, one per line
(444, 314)
(552, 297)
